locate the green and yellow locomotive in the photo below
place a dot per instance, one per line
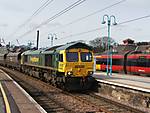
(69, 66)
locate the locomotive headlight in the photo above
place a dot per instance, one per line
(90, 72)
(69, 73)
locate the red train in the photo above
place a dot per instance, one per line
(128, 63)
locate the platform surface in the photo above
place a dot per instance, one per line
(2, 105)
(19, 101)
(135, 82)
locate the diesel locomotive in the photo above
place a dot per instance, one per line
(69, 66)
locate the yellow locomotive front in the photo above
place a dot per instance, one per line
(77, 64)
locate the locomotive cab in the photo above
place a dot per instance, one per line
(76, 62)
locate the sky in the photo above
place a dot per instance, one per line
(14, 13)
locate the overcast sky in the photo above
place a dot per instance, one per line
(15, 12)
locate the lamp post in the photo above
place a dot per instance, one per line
(109, 53)
(52, 37)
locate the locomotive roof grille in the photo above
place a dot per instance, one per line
(60, 47)
(69, 46)
(52, 48)
(74, 45)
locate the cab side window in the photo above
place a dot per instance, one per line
(61, 57)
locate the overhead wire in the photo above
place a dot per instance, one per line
(139, 18)
(91, 14)
(38, 11)
(54, 17)
(85, 32)
(63, 11)
(96, 29)
(32, 16)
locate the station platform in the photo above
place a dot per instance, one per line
(2, 106)
(139, 83)
(14, 99)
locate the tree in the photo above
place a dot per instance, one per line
(100, 44)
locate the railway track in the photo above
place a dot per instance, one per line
(40, 96)
(53, 99)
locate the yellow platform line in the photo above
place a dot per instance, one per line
(7, 106)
